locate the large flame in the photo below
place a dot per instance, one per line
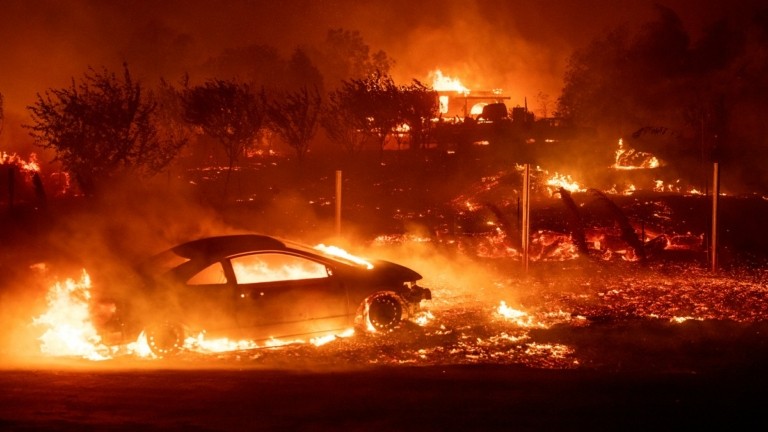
(70, 331)
(442, 82)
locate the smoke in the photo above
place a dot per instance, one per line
(519, 46)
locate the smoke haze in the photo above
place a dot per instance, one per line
(519, 46)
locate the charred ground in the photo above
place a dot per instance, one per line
(610, 344)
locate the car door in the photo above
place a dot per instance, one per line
(281, 294)
(208, 300)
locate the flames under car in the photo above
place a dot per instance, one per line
(259, 287)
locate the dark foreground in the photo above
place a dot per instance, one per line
(476, 397)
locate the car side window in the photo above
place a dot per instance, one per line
(273, 267)
(211, 275)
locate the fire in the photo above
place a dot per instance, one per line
(519, 317)
(13, 159)
(70, 331)
(442, 82)
(341, 253)
(630, 159)
(261, 272)
(564, 181)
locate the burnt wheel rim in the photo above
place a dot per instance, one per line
(384, 313)
(164, 339)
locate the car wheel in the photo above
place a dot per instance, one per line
(383, 313)
(165, 339)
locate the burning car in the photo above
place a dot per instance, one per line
(259, 287)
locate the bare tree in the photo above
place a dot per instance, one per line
(229, 111)
(294, 117)
(100, 127)
(418, 106)
(341, 124)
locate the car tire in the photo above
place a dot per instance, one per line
(165, 339)
(382, 313)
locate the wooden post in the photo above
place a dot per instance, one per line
(526, 234)
(338, 203)
(715, 199)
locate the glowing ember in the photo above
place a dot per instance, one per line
(564, 181)
(341, 253)
(423, 318)
(519, 317)
(70, 331)
(320, 341)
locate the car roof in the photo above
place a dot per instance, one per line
(221, 246)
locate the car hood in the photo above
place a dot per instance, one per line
(391, 272)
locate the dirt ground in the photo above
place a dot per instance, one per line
(480, 397)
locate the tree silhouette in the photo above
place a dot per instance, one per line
(418, 106)
(101, 127)
(374, 101)
(341, 123)
(228, 111)
(346, 56)
(294, 117)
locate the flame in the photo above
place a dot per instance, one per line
(442, 82)
(341, 253)
(630, 159)
(14, 159)
(519, 317)
(70, 331)
(565, 182)
(255, 272)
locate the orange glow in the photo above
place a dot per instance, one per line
(477, 108)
